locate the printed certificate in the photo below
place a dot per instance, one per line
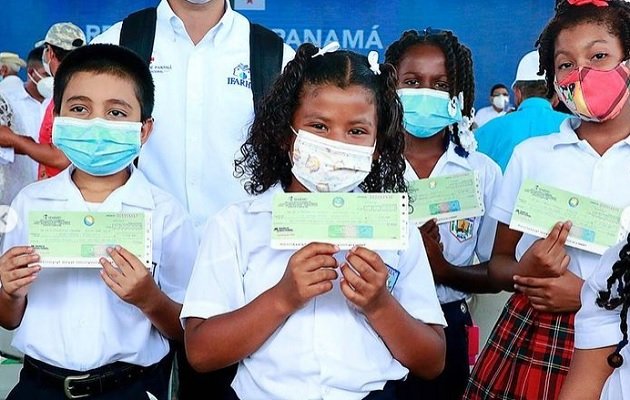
(596, 225)
(445, 198)
(377, 221)
(80, 239)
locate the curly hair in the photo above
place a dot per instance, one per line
(459, 67)
(615, 17)
(265, 154)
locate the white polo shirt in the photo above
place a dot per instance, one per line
(464, 239)
(203, 110)
(72, 319)
(27, 115)
(566, 162)
(326, 349)
(597, 327)
(486, 114)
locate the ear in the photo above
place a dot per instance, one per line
(3, 70)
(518, 95)
(145, 131)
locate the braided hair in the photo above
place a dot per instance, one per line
(615, 17)
(459, 67)
(265, 154)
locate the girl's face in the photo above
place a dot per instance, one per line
(423, 66)
(347, 115)
(586, 45)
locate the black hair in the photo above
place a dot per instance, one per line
(497, 86)
(265, 154)
(620, 277)
(615, 17)
(532, 89)
(459, 67)
(107, 59)
(59, 52)
(35, 55)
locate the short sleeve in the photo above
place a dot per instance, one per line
(488, 228)
(595, 326)
(504, 202)
(216, 284)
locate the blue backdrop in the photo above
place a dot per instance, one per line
(498, 32)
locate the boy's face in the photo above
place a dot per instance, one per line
(89, 95)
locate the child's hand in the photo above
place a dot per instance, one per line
(309, 273)
(430, 230)
(129, 278)
(366, 288)
(548, 257)
(15, 274)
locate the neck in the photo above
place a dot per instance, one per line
(96, 189)
(198, 19)
(424, 153)
(497, 109)
(31, 89)
(602, 136)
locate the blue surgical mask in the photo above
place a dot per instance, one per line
(428, 111)
(97, 146)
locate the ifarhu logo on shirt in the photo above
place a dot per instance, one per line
(240, 76)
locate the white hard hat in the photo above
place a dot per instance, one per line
(528, 68)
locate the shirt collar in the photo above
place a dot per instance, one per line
(135, 192)
(166, 13)
(534, 102)
(451, 157)
(568, 136)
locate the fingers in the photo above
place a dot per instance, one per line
(18, 256)
(557, 247)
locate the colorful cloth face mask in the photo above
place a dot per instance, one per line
(428, 111)
(595, 95)
(325, 165)
(97, 146)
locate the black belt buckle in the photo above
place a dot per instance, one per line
(67, 386)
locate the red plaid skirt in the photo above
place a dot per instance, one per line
(527, 355)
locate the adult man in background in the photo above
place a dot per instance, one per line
(200, 63)
(534, 115)
(10, 65)
(499, 103)
(61, 39)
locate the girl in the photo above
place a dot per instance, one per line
(582, 50)
(435, 70)
(302, 324)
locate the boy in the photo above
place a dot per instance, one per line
(107, 330)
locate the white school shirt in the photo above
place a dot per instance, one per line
(27, 115)
(203, 110)
(326, 349)
(477, 237)
(10, 83)
(596, 327)
(564, 161)
(72, 319)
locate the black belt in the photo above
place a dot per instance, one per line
(78, 385)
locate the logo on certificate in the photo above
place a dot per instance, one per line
(573, 202)
(88, 220)
(338, 202)
(462, 229)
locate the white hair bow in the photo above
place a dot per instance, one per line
(329, 48)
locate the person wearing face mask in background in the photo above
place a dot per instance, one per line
(200, 48)
(534, 115)
(499, 105)
(61, 38)
(26, 102)
(436, 87)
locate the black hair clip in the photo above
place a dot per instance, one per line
(615, 359)
(428, 31)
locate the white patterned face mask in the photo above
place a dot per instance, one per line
(325, 165)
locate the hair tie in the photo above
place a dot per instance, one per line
(329, 48)
(373, 61)
(597, 3)
(464, 127)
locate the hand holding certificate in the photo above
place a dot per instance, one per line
(596, 225)
(373, 220)
(80, 239)
(445, 198)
